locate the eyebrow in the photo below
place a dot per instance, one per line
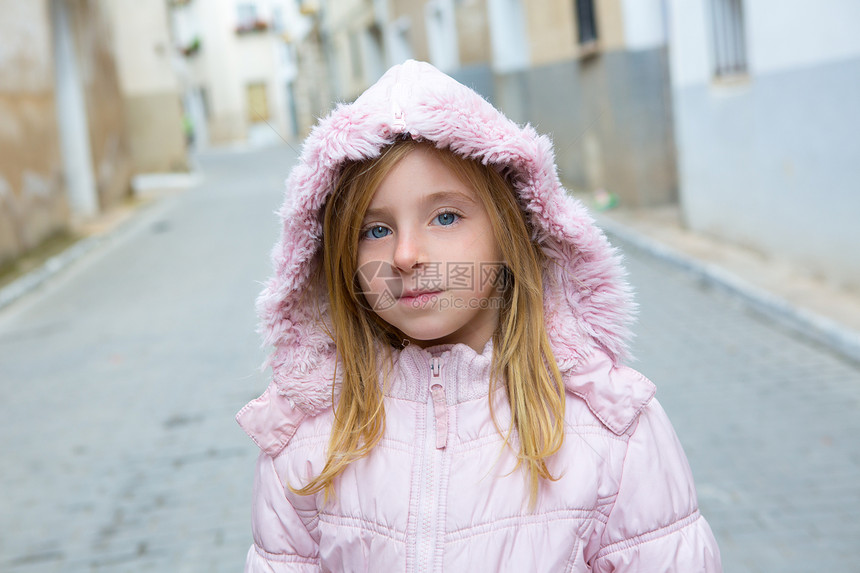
(436, 197)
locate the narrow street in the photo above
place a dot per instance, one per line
(121, 377)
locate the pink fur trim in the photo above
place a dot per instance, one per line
(588, 303)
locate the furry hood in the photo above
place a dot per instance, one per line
(587, 305)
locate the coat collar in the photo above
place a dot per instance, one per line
(614, 394)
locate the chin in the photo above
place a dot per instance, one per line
(428, 339)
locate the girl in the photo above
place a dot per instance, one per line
(447, 392)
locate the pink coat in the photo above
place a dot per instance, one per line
(438, 493)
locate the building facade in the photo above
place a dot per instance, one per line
(594, 75)
(767, 108)
(238, 68)
(152, 103)
(742, 112)
(33, 202)
(88, 98)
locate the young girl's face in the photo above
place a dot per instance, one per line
(427, 255)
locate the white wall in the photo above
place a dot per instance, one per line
(441, 25)
(689, 54)
(216, 66)
(780, 34)
(397, 39)
(644, 27)
(228, 62)
(508, 35)
(784, 34)
(769, 160)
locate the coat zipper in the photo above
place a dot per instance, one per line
(434, 445)
(440, 404)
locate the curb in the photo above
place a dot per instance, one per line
(33, 279)
(823, 330)
(142, 185)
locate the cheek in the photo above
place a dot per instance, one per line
(363, 284)
(361, 261)
(365, 280)
(494, 281)
(493, 250)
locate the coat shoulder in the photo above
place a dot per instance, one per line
(615, 395)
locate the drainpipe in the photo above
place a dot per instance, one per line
(72, 117)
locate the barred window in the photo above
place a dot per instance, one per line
(728, 44)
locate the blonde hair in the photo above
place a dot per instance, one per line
(522, 356)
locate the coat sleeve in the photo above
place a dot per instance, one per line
(282, 542)
(655, 524)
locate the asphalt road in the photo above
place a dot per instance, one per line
(120, 378)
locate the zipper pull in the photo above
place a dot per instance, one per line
(397, 96)
(435, 366)
(440, 404)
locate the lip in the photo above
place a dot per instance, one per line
(411, 296)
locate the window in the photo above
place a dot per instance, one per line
(258, 103)
(586, 24)
(727, 38)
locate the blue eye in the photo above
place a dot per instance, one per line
(447, 218)
(376, 232)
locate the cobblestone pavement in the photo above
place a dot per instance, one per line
(120, 380)
(121, 377)
(769, 422)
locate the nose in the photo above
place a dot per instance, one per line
(407, 251)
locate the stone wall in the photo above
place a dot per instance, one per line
(33, 204)
(34, 183)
